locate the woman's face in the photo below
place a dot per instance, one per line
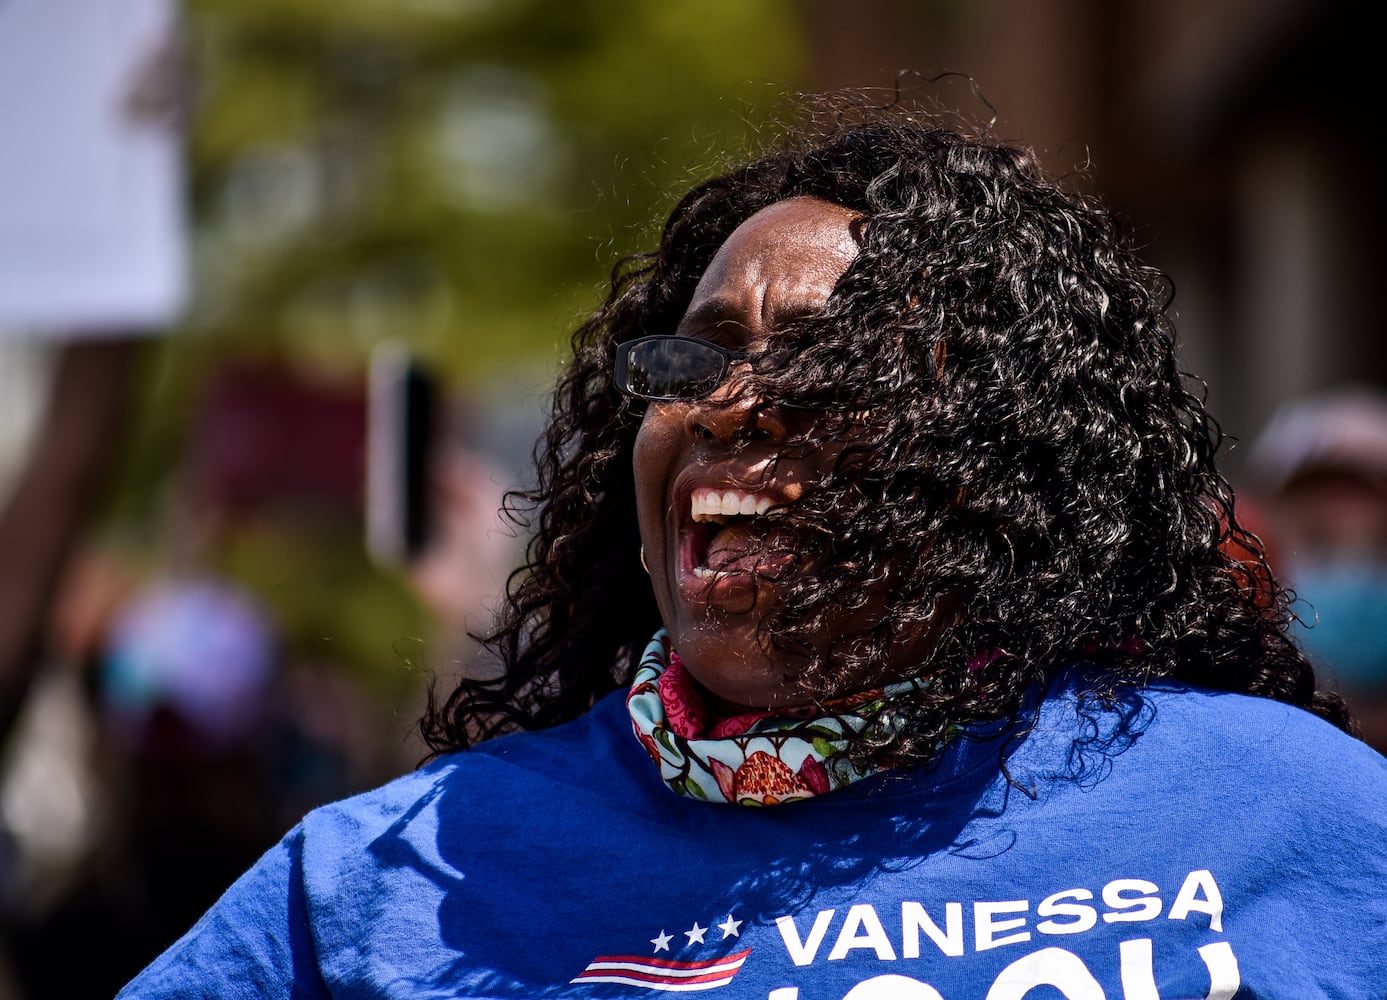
(714, 573)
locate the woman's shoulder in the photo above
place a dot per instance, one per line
(594, 749)
(1265, 731)
(399, 850)
(1195, 739)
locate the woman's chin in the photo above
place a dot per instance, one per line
(732, 671)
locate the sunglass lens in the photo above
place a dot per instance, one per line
(672, 368)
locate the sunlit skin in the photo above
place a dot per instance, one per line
(779, 265)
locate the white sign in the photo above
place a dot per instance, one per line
(92, 236)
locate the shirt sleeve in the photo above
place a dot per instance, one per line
(255, 942)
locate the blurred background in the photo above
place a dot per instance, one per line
(270, 354)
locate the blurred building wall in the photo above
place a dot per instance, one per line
(1235, 137)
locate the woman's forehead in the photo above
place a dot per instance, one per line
(779, 264)
(788, 230)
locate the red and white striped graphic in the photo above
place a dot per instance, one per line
(663, 974)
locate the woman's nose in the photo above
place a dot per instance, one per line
(731, 412)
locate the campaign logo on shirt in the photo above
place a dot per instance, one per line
(671, 974)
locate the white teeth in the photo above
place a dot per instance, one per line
(712, 505)
(704, 573)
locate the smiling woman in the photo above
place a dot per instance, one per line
(698, 460)
(874, 495)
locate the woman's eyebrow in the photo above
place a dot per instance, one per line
(715, 312)
(711, 313)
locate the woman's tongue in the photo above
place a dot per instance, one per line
(752, 547)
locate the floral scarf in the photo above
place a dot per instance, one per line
(753, 759)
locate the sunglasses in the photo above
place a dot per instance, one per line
(663, 367)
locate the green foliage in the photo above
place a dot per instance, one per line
(330, 605)
(458, 174)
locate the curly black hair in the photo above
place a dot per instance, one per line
(1031, 474)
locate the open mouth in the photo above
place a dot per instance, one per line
(735, 532)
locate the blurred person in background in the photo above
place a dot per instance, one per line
(879, 638)
(92, 268)
(91, 265)
(176, 775)
(176, 728)
(185, 737)
(1319, 469)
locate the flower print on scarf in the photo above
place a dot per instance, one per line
(762, 780)
(751, 759)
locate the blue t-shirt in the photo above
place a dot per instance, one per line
(1178, 844)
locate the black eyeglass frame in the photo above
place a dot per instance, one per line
(621, 372)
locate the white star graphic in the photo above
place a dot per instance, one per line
(661, 943)
(695, 935)
(729, 928)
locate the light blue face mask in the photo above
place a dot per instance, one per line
(1348, 643)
